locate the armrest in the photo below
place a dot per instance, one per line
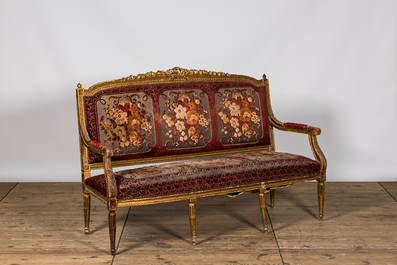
(94, 146)
(301, 128)
(100, 148)
(294, 127)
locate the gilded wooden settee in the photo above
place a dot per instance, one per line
(215, 128)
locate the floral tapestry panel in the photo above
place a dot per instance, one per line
(239, 116)
(126, 122)
(185, 119)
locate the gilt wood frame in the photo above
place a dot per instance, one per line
(180, 75)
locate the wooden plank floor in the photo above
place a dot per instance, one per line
(42, 223)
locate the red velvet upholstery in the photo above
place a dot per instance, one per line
(293, 125)
(96, 144)
(189, 176)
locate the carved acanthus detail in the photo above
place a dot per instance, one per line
(175, 73)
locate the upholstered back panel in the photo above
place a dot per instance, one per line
(178, 118)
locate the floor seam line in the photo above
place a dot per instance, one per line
(274, 232)
(121, 234)
(9, 192)
(388, 192)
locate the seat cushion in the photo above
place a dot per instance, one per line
(215, 173)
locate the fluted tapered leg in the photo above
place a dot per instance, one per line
(87, 210)
(320, 193)
(112, 231)
(262, 203)
(192, 218)
(272, 193)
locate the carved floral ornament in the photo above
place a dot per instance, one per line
(175, 73)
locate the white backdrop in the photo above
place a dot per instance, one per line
(330, 64)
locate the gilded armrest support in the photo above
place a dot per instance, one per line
(318, 154)
(311, 131)
(106, 153)
(94, 146)
(111, 184)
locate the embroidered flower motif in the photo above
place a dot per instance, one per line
(183, 138)
(120, 131)
(192, 117)
(238, 119)
(124, 99)
(168, 120)
(144, 126)
(255, 118)
(236, 94)
(134, 136)
(195, 138)
(180, 112)
(133, 110)
(244, 103)
(134, 122)
(245, 115)
(191, 131)
(248, 135)
(203, 121)
(184, 96)
(109, 110)
(237, 134)
(126, 123)
(234, 109)
(108, 126)
(125, 142)
(245, 127)
(224, 118)
(185, 119)
(192, 106)
(234, 122)
(180, 126)
(121, 117)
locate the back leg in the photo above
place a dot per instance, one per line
(272, 193)
(112, 231)
(320, 193)
(87, 211)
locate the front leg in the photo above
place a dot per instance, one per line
(320, 193)
(87, 209)
(272, 193)
(262, 203)
(112, 231)
(192, 219)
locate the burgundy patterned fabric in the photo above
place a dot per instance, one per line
(179, 118)
(190, 176)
